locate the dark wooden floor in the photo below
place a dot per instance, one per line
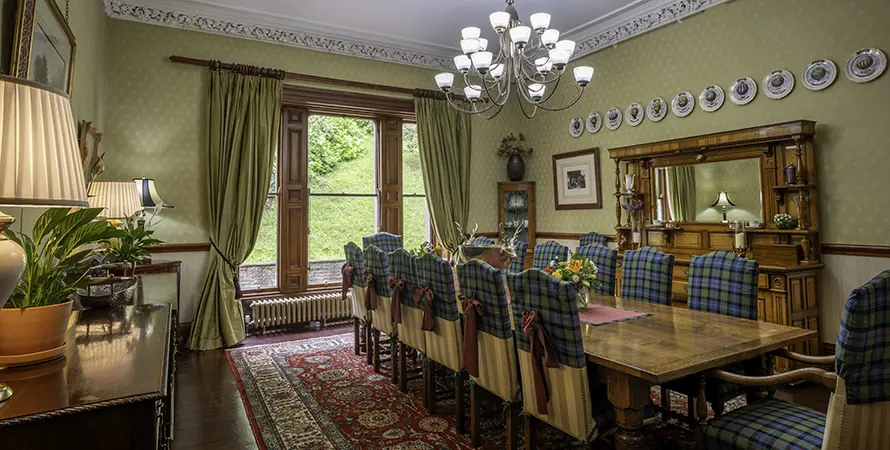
(210, 413)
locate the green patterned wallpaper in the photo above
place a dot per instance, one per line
(156, 110)
(90, 27)
(742, 38)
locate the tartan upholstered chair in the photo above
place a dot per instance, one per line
(408, 316)
(722, 283)
(379, 302)
(593, 238)
(384, 241)
(549, 251)
(518, 263)
(442, 326)
(606, 260)
(354, 284)
(546, 317)
(482, 240)
(489, 350)
(646, 275)
(859, 410)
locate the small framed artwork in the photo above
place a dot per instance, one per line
(576, 180)
(90, 158)
(44, 45)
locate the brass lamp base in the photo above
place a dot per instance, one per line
(5, 393)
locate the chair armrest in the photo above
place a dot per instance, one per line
(806, 359)
(825, 378)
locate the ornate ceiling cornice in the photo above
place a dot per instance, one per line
(601, 33)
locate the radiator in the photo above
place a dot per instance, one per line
(298, 310)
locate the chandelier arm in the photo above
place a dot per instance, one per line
(563, 108)
(465, 111)
(521, 97)
(552, 91)
(500, 102)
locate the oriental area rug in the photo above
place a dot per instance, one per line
(317, 394)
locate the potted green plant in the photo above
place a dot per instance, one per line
(33, 322)
(130, 247)
(513, 148)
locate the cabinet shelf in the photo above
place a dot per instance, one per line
(793, 187)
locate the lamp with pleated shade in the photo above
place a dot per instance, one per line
(40, 165)
(119, 199)
(723, 202)
(148, 194)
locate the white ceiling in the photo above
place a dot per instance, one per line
(417, 32)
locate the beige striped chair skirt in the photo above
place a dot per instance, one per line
(409, 330)
(498, 372)
(381, 318)
(856, 427)
(446, 347)
(358, 302)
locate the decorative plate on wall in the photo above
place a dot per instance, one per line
(743, 91)
(634, 114)
(576, 127)
(594, 123)
(657, 109)
(865, 65)
(613, 119)
(820, 74)
(712, 98)
(778, 84)
(683, 104)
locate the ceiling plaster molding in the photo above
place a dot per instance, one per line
(122, 9)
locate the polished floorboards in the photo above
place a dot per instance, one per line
(210, 413)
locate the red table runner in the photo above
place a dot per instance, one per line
(601, 315)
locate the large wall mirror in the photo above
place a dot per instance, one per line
(704, 192)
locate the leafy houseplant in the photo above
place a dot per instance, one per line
(513, 148)
(578, 270)
(131, 246)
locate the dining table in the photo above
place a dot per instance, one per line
(666, 344)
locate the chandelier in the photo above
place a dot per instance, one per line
(531, 61)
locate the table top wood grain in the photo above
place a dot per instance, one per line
(673, 343)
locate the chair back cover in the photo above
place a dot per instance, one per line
(403, 266)
(593, 238)
(356, 260)
(646, 275)
(549, 251)
(518, 263)
(606, 260)
(377, 264)
(444, 344)
(387, 242)
(723, 283)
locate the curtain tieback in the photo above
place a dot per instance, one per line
(398, 286)
(425, 293)
(371, 293)
(347, 278)
(472, 310)
(235, 271)
(543, 354)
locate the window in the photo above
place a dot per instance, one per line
(415, 219)
(260, 270)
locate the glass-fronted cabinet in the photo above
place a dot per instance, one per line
(516, 211)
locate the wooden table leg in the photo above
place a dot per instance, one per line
(513, 427)
(629, 395)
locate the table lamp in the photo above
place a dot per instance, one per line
(723, 202)
(148, 195)
(39, 165)
(119, 200)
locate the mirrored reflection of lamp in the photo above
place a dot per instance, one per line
(723, 202)
(119, 200)
(39, 166)
(148, 195)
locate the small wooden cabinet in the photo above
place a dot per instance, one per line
(516, 209)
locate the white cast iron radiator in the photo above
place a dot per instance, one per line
(297, 310)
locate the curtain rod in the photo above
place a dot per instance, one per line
(303, 77)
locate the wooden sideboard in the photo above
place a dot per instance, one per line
(113, 389)
(790, 260)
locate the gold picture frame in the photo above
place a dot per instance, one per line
(88, 139)
(44, 47)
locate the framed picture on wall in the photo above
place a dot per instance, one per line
(44, 45)
(576, 180)
(7, 34)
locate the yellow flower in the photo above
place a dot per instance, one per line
(558, 275)
(576, 266)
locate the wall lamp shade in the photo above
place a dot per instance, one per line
(120, 199)
(148, 194)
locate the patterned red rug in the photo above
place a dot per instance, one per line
(317, 394)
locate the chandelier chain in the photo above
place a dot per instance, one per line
(67, 9)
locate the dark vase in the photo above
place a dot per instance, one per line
(515, 168)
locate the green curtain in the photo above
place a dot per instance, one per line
(443, 135)
(681, 189)
(244, 120)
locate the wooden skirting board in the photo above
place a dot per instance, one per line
(180, 248)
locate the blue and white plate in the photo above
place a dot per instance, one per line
(743, 91)
(613, 118)
(819, 74)
(865, 65)
(576, 127)
(778, 84)
(657, 109)
(683, 104)
(711, 98)
(634, 114)
(594, 123)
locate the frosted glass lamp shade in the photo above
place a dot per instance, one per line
(40, 161)
(583, 75)
(496, 71)
(550, 38)
(470, 33)
(567, 46)
(540, 22)
(473, 92)
(481, 61)
(148, 194)
(500, 21)
(520, 35)
(536, 91)
(445, 80)
(543, 65)
(462, 62)
(559, 58)
(483, 44)
(469, 46)
(119, 199)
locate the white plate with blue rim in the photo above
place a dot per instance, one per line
(743, 91)
(634, 114)
(865, 65)
(711, 98)
(683, 104)
(594, 123)
(613, 118)
(657, 109)
(819, 74)
(778, 84)
(576, 127)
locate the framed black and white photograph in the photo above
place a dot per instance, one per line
(44, 45)
(576, 180)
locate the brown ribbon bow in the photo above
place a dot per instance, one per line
(398, 286)
(347, 278)
(426, 293)
(543, 354)
(472, 310)
(371, 293)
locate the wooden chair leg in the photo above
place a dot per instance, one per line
(460, 394)
(513, 427)
(475, 417)
(431, 386)
(718, 406)
(376, 346)
(666, 400)
(403, 369)
(530, 438)
(369, 352)
(358, 337)
(394, 360)
(701, 413)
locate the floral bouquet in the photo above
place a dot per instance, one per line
(578, 270)
(784, 221)
(427, 247)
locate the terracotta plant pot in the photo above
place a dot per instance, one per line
(31, 335)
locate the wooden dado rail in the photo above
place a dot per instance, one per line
(876, 251)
